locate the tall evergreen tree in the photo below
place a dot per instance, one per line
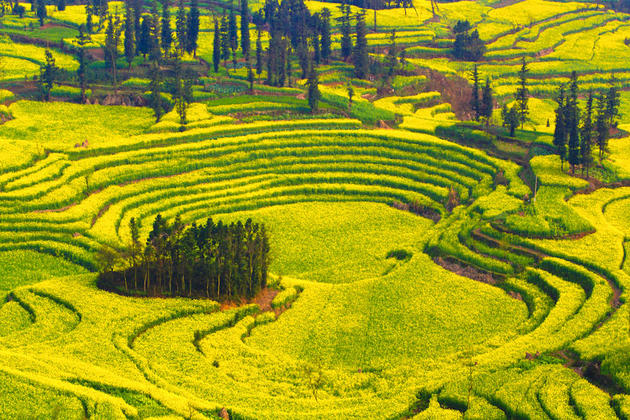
(392, 56)
(225, 40)
(586, 143)
(137, 5)
(346, 38)
(303, 56)
(47, 75)
(192, 28)
(130, 34)
(487, 102)
(317, 52)
(522, 94)
(134, 249)
(573, 121)
(89, 26)
(289, 68)
(216, 46)
(181, 27)
(560, 132)
(112, 41)
(269, 66)
(325, 32)
(41, 11)
(144, 42)
(81, 71)
(612, 104)
(232, 30)
(250, 78)
(513, 119)
(601, 126)
(180, 94)
(361, 58)
(245, 42)
(474, 101)
(167, 33)
(155, 49)
(259, 54)
(350, 91)
(155, 86)
(313, 90)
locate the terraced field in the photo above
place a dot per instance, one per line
(382, 332)
(411, 277)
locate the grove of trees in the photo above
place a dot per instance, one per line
(578, 131)
(215, 260)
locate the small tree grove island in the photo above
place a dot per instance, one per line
(215, 260)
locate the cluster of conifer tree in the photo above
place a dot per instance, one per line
(150, 34)
(467, 45)
(216, 260)
(577, 131)
(482, 101)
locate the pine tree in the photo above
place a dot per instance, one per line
(47, 75)
(109, 39)
(130, 34)
(216, 46)
(289, 68)
(392, 56)
(155, 87)
(134, 230)
(325, 32)
(232, 30)
(41, 11)
(587, 135)
(612, 104)
(574, 144)
(510, 118)
(155, 50)
(144, 42)
(167, 33)
(303, 56)
(601, 126)
(474, 101)
(192, 29)
(573, 122)
(560, 133)
(346, 39)
(112, 41)
(225, 40)
(487, 103)
(179, 94)
(89, 26)
(269, 66)
(281, 63)
(250, 78)
(245, 42)
(505, 115)
(313, 90)
(81, 71)
(317, 52)
(259, 54)
(180, 27)
(360, 57)
(136, 5)
(522, 94)
(350, 96)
